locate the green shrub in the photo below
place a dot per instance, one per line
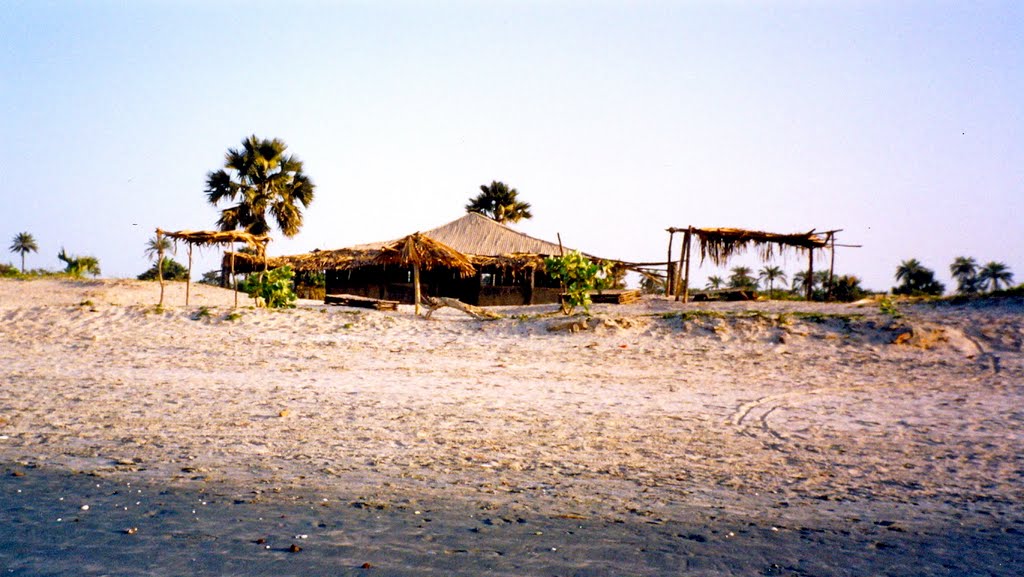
(579, 275)
(173, 270)
(272, 288)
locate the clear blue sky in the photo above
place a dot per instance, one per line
(900, 122)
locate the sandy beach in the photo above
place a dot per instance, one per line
(654, 438)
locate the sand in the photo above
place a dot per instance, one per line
(651, 439)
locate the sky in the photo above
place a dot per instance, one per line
(901, 123)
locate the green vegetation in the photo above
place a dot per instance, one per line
(579, 275)
(741, 279)
(202, 313)
(79, 266)
(916, 280)
(173, 270)
(261, 177)
(995, 274)
(500, 203)
(233, 316)
(23, 243)
(886, 306)
(715, 282)
(272, 288)
(770, 274)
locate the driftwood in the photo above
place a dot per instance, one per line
(434, 303)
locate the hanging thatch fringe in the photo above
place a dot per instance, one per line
(719, 244)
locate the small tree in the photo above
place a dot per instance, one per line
(272, 288)
(770, 274)
(715, 282)
(77, 266)
(579, 275)
(24, 243)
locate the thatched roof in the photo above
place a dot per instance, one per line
(475, 234)
(210, 237)
(479, 239)
(719, 244)
(425, 252)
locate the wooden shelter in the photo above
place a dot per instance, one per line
(208, 238)
(420, 251)
(720, 244)
(508, 266)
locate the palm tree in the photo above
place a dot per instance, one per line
(715, 282)
(995, 273)
(770, 273)
(500, 203)
(24, 243)
(156, 247)
(262, 179)
(915, 278)
(965, 271)
(79, 265)
(740, 278)
(800, 281)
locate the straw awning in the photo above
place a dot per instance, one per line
(420, 251)
(208, 238)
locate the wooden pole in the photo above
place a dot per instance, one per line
(188, 280)
(809, 282)
(677, 286)
(234, 281)
(686, 275)
(416, 286)
(669, 266)
(160, 263)
(832, 265)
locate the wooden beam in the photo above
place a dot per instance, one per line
(832, 265)
(160, 263)
(669, 276)
(188, 279)
(809, 282)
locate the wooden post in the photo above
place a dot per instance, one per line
(809, 283)
(234, 281)
(531, 273)
(670, 277)
(686, 274)
(416, 286)
(832, 265)
(160, 263)
(188, 280)
(677, 288)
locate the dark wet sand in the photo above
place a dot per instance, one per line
(136, 528)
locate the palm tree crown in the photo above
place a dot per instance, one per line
(500, 203)
(715, 282)
(770, 274)
(156, 247)
(262, 179)
(965, 271)
(995, 273)
(24, 243)
(740, 278)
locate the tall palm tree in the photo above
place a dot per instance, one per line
(500, 203)
(262, 178)
(995, 273)
(24, 243)
(715, 282)
(770, 274)
(915, 278)
(965, 271)
(908, 270)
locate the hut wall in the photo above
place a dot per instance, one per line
(489, 287)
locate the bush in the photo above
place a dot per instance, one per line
(272, 288)
(580, 276)
(173, 270)
(8, 271)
